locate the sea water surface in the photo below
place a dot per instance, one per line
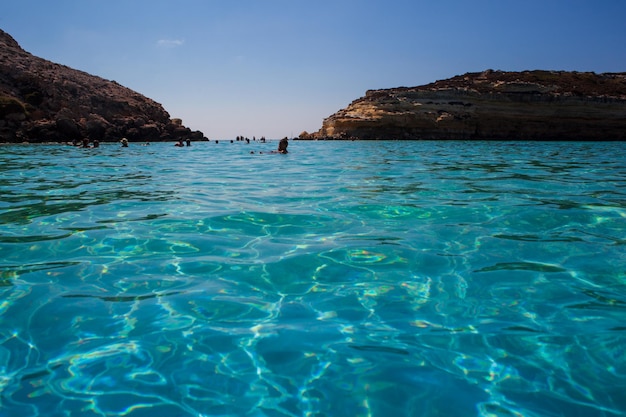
(342, 279)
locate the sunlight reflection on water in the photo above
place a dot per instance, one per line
(345, 278)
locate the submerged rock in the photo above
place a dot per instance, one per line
(41, 101)
(491, 105)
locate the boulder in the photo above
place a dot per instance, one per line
(96, 127)
(68, 128)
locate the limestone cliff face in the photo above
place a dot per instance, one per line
(42, 101)
(492, 105)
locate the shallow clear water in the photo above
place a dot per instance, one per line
(342, 279)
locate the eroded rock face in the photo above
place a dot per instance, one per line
(492, 105)
(41, 101)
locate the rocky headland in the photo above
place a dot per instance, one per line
(490, 105)
(41, 101)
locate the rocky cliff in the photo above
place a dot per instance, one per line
(491, 105)
(41, 101)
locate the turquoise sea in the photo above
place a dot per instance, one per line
(342, 279)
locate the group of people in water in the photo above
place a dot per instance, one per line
(282, 145)
(84, 143)
(181, 144)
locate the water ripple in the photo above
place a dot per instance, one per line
(345, 278)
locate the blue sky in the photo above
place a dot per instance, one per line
(275, 68)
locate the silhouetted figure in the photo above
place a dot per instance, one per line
(282, 146)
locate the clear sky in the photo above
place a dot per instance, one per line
(275, 68)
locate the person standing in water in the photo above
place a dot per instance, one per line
(282, 145)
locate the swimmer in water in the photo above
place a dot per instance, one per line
(282, 146)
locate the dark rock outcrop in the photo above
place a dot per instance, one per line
(492, 105)
(41, 101)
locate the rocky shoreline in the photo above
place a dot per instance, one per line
(41, 101)
(490, 105)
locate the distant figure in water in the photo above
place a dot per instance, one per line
(85, 143)
(96, 143)
(179, 143)
(124, 143)
(282, 146)
(188, 142)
